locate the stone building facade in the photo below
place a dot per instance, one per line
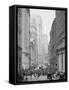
(23, 38)
(57, 43)
(60, 40)
(52, 47)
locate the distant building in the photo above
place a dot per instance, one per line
(44, 43)
(57, 43)
(39, 50)
(43, 55)
(33, 42)
(23, 38)
(43, 59)
(36, 27)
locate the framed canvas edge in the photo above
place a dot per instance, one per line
(16, 30)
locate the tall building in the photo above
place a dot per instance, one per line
(57, 43)
(33, 42)
(43, 54)
(35, 32)
(60, 37)
(39, 33)
(52, 47)
(41, 45)
(23, 38)
(44, 40)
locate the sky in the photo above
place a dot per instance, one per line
(47, 17)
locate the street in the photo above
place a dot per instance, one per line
(33, 78)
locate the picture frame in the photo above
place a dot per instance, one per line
(14, 51)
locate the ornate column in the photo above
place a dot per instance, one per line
(60, 62)
(63, 62)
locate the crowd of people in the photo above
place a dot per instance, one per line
(24, 74)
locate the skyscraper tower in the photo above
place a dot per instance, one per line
(39, 32)
(33, 42)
